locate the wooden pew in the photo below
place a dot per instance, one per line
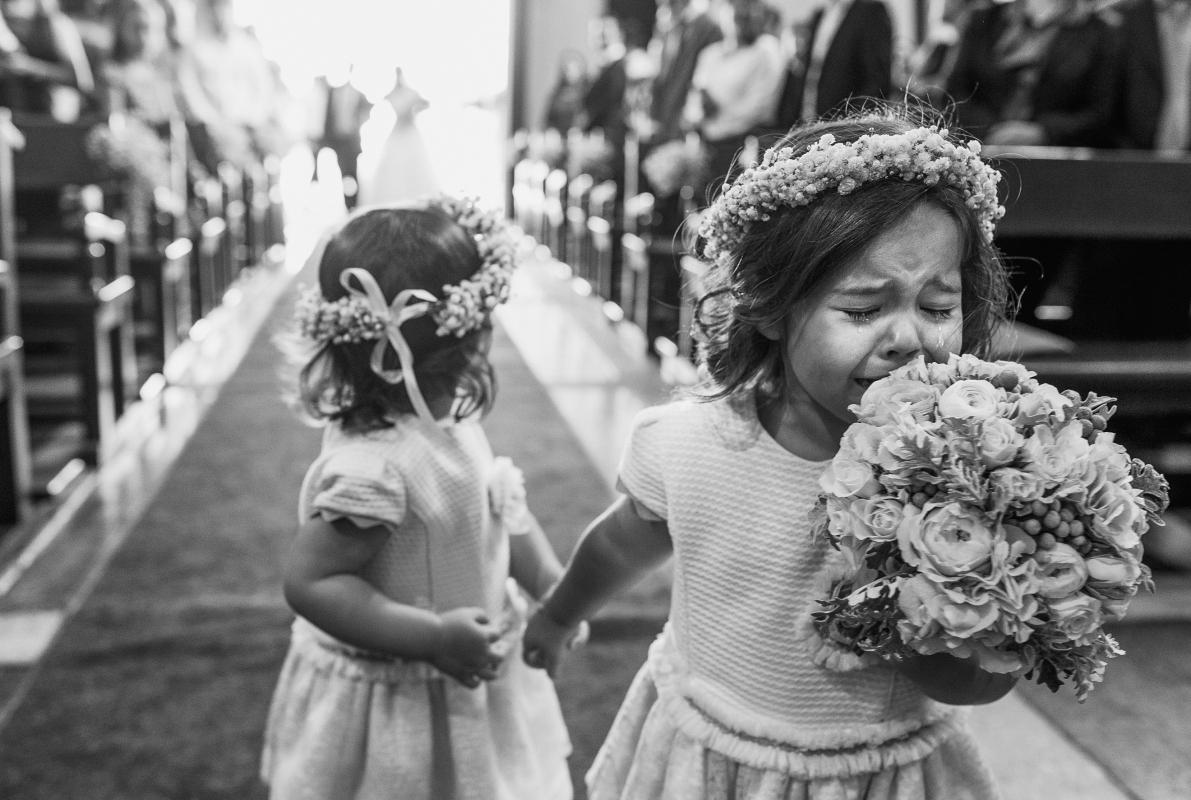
(576, 244)
(602, 227)
(634, 244)
(74, 284)
(554, 213)
(1106, 195)
(16, 471)
(212, 253)
(161, 266)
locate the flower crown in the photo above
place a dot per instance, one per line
(783, 179)
(460, 310)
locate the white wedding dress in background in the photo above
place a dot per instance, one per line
(402, 170)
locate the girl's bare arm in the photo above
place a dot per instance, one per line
(323, 585)
(533, 563)
(615, 551)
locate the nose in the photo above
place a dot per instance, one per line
(903, 339)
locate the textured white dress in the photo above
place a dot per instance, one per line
(739, 697)
(346, 723)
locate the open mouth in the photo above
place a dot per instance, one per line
(866, 382)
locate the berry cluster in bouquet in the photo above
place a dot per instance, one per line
(986, 515)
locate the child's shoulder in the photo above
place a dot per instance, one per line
(690, 417)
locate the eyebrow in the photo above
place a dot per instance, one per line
(870, 289)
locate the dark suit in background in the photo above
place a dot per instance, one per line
(680, 51)
(858, 62)
(1075, 90)
(603, 106)
(1142, 75)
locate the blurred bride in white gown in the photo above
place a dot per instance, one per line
(402, 170)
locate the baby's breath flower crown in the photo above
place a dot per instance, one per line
(783, 179)
(460, 309)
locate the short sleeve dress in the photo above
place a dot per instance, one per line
(739, 697)
(347, 723)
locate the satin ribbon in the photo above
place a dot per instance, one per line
(394, 315)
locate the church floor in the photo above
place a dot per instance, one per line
(142, 629)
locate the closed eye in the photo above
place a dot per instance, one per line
(940, 313)
(861, 316)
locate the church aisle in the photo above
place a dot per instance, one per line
(158, 684)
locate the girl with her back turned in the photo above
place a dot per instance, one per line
(403, 677)
(856, 246)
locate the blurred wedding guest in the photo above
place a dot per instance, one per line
(604, 103)
(737, 82)
(42, 31)
(136, 76)
(931, 62)
(1036, 72)
(1155, 101)
(402, 171)
(684, 30)
(847, 54)
(570, 89)
(347, 109)
(237, 93)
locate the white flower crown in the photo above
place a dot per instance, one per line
(460, 310)
(782, 179)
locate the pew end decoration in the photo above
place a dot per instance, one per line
(984, 514)
(682, 162)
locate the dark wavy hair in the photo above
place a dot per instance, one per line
(781, 262)
(403, 248)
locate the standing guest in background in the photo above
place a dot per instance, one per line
(347, 110)
(1036, 72)
(684, 30)
(933, 60)
(43, 32)
(848, 54)
(566, 99)
(603, 106)
(736, 84)
(136, 76)
(1155, 99)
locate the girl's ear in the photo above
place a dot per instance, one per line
(772, 331)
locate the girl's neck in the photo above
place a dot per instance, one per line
(802, 426)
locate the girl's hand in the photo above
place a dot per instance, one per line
(545, 639)
(465, 649)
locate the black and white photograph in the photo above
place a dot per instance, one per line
(595, 399)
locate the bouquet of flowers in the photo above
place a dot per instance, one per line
(682, 162)
(986, 515)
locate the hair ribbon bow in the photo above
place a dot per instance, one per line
(393, 315)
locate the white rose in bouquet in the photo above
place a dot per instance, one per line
(970, 399)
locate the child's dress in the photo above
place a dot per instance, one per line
(346, 723)
(740, 698)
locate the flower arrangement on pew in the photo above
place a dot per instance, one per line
(986, 515)
(129, 148)
(594, 156)
(682, 162)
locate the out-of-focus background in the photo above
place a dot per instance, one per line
(167, 165)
